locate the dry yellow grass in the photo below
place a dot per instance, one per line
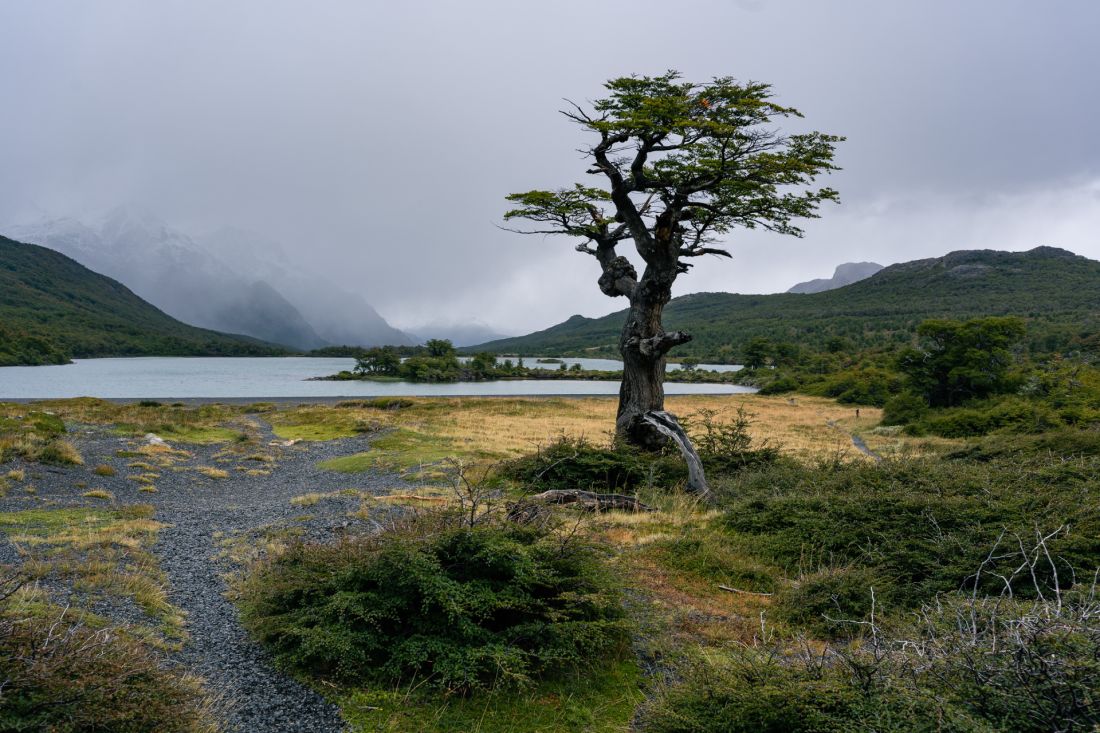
(805, 427)
(100, 549)
(216, 473)
(99, 494)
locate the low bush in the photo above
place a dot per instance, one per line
(974, 665)
(1061, 443)
(922, 526)
(1012, 415)
(462, 607)
(756, 693)
(824, 601)
(725, 445)
(575, 463)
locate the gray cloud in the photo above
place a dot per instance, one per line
(380, 139)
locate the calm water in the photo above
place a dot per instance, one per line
(225, 377)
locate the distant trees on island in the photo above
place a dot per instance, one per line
(438, 361)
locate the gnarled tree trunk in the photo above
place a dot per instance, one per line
(642, 388)
(643, 344)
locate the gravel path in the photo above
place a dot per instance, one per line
(202, 514)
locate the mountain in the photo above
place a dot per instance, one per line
(1057, 291)
(230, 280)
(459, 334)
(168, 269)
(845, 274)
(53, 308)
(340, 316)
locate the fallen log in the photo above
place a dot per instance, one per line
(588, 500)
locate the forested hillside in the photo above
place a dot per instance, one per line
(53, 309)
(1057, 292)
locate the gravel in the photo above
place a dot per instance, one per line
(201, 512)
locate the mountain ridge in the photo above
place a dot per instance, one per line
(1057, 291)
(52, 309)
(844, 274)
(230, 280)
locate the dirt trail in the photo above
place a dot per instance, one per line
(202, 513)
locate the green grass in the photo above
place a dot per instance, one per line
(603, 702)
(404, 450)
(47, 522)
(314, 423)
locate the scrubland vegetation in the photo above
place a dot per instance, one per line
(950, 588)
(933, 584)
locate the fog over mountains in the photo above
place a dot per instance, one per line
(229, 280)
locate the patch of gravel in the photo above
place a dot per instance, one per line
(251, 694)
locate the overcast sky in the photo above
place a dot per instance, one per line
(381, 138)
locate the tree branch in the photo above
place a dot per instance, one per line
(659, 344)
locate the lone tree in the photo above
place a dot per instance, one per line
(680, 165)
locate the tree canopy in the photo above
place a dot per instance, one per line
(960, 360)
(681, 164)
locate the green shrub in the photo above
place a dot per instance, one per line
(461, 607)
(1061, 443)
(860, 386)
(823, 601)
(782, 384)
(923, 526)
(575, 463)
(755, 693)
(963, 665)
(904, 409)
(725, 446)
(1012, 414)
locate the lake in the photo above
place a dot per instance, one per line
(275, 377)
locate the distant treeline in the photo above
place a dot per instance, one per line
(1053, 290)
(437, 361)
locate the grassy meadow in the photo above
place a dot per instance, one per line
(821, 588)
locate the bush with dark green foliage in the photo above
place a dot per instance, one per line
(868, 385)
(824, 601)
(1062, 443)
(757, 693)
(920, 526)
(904, 409)
(461, 607)
(964, 664)
(576, 463)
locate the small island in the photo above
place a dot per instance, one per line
(438, 361)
